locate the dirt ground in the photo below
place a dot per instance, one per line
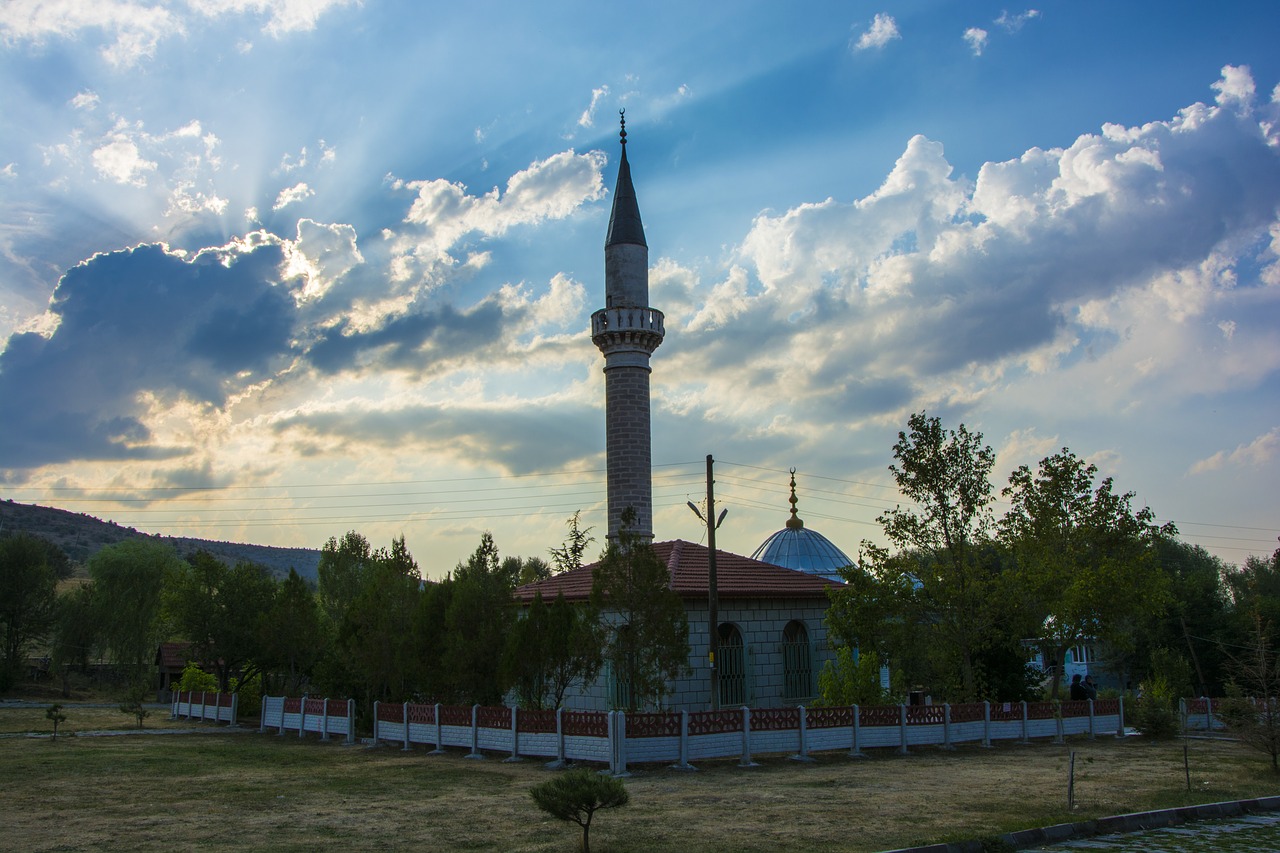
(249, 791)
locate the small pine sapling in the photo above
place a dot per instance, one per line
(54, 714)
(577, 795)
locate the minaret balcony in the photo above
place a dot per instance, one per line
(627, 328)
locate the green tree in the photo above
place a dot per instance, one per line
(568, 555)
(1086, 560)
(376, 638)
(75, 633)
(129, 579)
(550, 649)
(292, 637)
(1252, 711)
(644, 625)
(28, 593)
(942, 575)
(221, 609)
(851, 679)
(479, 617)
(1254, 590)
(341, 571)
(576, 796)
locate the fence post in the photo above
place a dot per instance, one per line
(1208, 715)
(1184, 716)
(235, 711)
(683, 763)
(302, 716)
(620, 732)
(559, 762)
(1026, 726)
(855, 750)
(803, 754)
(946, 726)
(376, 722)
(475, 733)
(202, 693)
(515, 735)
(613, 746)
(439, 750)
(405, 712)
(324, 720)
(1057, 718)
(262, 716)
(902, 729)
(1120, 723)
(746, 739)
(1092, 733)
(986, 723)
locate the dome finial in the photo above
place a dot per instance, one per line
(622, 119)
(794, 522)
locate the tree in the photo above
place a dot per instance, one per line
(75, 632)
(129, 579)
(1252, 709)
(1086, 561)
(942, 580)
(577, 795)
(1255, 595)
(221, 610)
(646, 630)
(481, 612)
(550, 649)
(569, 554)
(291, 632)
(376, 638)
(341, 571)
(27, 599)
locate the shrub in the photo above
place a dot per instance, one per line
(195, 679)
(1157, 714)
(577, 795)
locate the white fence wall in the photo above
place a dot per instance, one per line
(616, 738)
(206, 706)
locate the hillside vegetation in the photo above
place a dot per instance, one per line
(81, 536)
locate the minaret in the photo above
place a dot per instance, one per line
(627, 331)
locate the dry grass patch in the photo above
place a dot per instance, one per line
(263, 792)
(85, 718)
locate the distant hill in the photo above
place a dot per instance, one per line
(81, 536)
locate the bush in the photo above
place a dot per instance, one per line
(850, 681)
(1157, 713)
(250, 693)
(577, 795)
(196, 679)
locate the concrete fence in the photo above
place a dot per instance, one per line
(617, 738)
(206, 706)
(328, 718)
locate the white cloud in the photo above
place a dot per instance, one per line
(86, 100)
(1258, 452)
(976, 38)
(121, 161)
(443, 211)
(588, 117)
(1013, 23)
(883, 30)
(134, 28)
(1236, 85)
(290, 195)
(9, 171)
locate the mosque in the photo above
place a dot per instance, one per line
(770, 607)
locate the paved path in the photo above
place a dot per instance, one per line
(1243, 834)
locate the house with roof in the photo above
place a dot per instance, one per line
(771, 630)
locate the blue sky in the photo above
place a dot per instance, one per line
(271, 270)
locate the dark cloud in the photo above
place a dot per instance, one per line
(412, 341)
(536, 436)
(138, 322)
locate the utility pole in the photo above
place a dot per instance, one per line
(713, 592)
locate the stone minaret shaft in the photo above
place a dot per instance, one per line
(627, 331)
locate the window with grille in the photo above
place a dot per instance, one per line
(733, 667)
(797, 662)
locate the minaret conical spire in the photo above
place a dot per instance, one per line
(794, 522)
(624, 222)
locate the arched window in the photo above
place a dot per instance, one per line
(619, 681)
(797, 662)
(733, 667)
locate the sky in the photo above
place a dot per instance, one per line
(274, 270)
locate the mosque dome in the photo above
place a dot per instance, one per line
(797, 547)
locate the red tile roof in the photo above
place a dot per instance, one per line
(736, 577)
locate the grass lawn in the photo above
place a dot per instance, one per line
(247, 791)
